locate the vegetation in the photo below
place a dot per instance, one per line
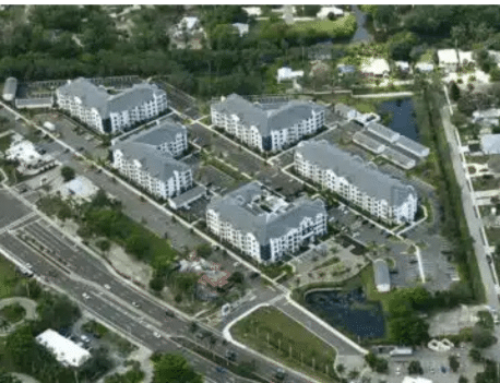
(377, 364)
(415, 368)
(134, 375)
(67, 173)
(13, 313)
(263, 330)
(174, 368)
(342, 27)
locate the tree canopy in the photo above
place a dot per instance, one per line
(174, 368)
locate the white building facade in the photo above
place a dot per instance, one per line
(107, 113)
(263, 235)
(148, 160)
(380, 195)
(267, 129)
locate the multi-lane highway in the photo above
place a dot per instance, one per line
(64, 263)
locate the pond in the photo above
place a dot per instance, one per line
(349, 311)
(361, 34)
(403, 117)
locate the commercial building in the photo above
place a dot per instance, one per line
(358, 182)
(267, 129)
(490, 143)
(381, 275)
(34, 103)
(10, 89)
(148, 159)
(107, 113)
(65, 351)
(263, 226)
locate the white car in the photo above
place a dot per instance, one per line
(107, 287)
(157, 335)
(85, 296)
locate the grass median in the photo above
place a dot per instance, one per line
(272, 333)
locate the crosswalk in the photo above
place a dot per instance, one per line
(18, 222)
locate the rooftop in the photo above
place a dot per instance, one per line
(382, 131)
(415, 379)
(412, 146)
(64, 350)
(369, 143)
(266, 119)
(381, 270)
(376, 66)
(398, 158)
(364, 175)
(265, 216)
(490, 143)
(34, 102)
(98, 98)
(80, 187)
(447, 56)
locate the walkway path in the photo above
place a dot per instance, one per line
(28, 304)
(25, 378)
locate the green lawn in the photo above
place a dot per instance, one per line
(8, 278)
(481, 183)
(13, 313)
(5, 142)
(337, 27)
(274, 334)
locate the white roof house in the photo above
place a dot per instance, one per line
(64, 350)
(415, 379)
(465, 57)
(287, 73)
(191, 23)
(424, 67)
(242, 28)
(490, 143)
(402, 65)
(375, 67)
(488, 115)
(448, 59)
(253, 11)
(325, 11)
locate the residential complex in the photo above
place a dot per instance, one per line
(263, 226)
(267, 128)
(108, 113)
(148, 159)
(381, 195)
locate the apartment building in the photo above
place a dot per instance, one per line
(357, 181)
(263, 226)
(267, 127)
(148, 159)
(110, 113)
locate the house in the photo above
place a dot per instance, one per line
(403, 66)
(424, 67)
(415, 379)
(242, 28)
(489, 116)
(346, 69)
(465, 58)
(490, 143)
(448, 59)
(286, 73)
(107, 113)
(66, 352)
(264, 226)
(356, 181)
(148, 159)
(10, 89)
(345, 111)
(375, 67)
(381, 275)
(326, 11)
(188, 23)
(253, 11)
(269, 128)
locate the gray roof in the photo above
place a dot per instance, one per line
(398, 158)
(165, 131)
(412, 146)
(41, 102)
(10, 86)
(97, 97)
(343, 109)
(267, 120)
(143, 147)
(238, 209)
(364, 175)
(190, 195)
(381, 272)
(369, 143)
(490, 143)
(382, 131)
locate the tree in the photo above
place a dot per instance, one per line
(204, 250)
(482, 338)
(379, 365)
(475, 355)
(340, 368)
(5, 377)
(415, 368)
(104, 245)
(174, 368)
(237, 277)
(454, 91)
(463, 379)
(454, 363)
(67, 173)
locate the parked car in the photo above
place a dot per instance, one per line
(220, 369)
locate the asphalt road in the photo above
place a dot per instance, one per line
(79, 272)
